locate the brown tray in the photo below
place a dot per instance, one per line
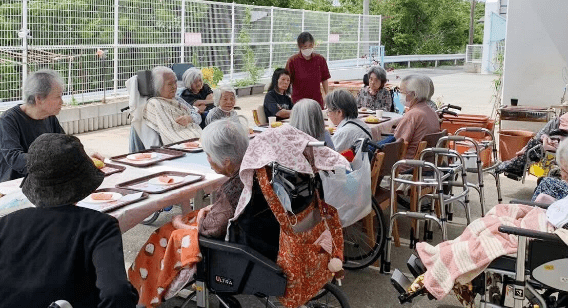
(196, 150)
(112, 169)
(165, 154)
(141, 184)
(113, 205)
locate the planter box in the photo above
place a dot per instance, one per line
(258, 88)
(244, 91)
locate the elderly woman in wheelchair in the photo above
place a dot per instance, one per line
(262, 231)
(170, 116)
(479, 261)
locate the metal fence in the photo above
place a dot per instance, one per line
(66, 35)
(473, 53)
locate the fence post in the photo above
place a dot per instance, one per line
(115, 47)
(182, 30)
(232, 40)
(24, 35)
(271, 42)
(359, 40)
(303, 13)
(328, 33)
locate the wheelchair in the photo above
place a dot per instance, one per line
(246, 264)
(529, 279)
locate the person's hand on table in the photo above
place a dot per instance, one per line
(184, 120)
(98, 156)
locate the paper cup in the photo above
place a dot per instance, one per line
(379, 114)
(271, 120)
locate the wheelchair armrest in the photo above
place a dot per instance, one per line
(530, 233)
(251, 254)
(526, 202)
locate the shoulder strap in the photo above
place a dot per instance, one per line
(361, 127)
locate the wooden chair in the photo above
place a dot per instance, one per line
(259, 116)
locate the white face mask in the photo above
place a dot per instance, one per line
(307, 52)
(402, 98)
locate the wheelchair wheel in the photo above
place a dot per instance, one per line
(150, 219)
(361, 247)
(228, 301)
(330, 296)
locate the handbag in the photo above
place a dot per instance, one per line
(304, 262)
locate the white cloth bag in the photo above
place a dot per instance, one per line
(349, 192)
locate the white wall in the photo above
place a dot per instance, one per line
(536, 50)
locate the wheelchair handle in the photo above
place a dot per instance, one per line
(449, 112)
(530, 233)
(454, 107)
(438, 150)
(124, 109)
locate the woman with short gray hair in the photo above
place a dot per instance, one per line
(197, 93)
(307, 116)
(342, 112)
(168, 115)
(376, 96)
(225, 142)
(224, 99)
(22, 124)
(419, 120)
(549, 188)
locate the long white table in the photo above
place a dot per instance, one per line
(131, 215)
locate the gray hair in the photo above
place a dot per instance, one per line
(224, 139)
(417, 84)
(190, 75)
(431, 84)
(307, 117)
(40, 84)
(380, 73)
(220, 90)
(158, 74)
(562, 153)
(342, 100)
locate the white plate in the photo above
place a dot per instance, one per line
(133, 157)
(115, 196)
(155, 181)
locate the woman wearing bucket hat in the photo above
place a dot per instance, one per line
(57, 250)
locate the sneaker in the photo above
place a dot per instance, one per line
(514, 176)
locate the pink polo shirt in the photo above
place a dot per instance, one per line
(306, 76)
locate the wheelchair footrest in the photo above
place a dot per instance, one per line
(400, 282)
(415, 266)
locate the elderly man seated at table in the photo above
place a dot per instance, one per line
(172, 118)
(224, 98)
(175, 245)
(342, 112)
(22, 124)
(307, 117)
(419, 120)
(57, 250)
(376, 96)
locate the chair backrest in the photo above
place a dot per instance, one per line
(394, 152)
(180, 68)
(431, 141)
(259, 115)
(145, 83)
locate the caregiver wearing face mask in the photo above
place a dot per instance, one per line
(307, 70)
(419, 120)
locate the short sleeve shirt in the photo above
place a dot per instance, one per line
(274, 102)
(382, 100)
(306, 76)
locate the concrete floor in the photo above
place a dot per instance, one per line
(367, 287)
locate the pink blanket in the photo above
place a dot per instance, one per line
(465, 257)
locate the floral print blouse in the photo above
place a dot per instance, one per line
(381, 100)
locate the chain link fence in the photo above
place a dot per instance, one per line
(96, 45)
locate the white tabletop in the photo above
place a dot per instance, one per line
(131, 215)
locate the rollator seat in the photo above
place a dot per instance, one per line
(548, 263)
(238, 269)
